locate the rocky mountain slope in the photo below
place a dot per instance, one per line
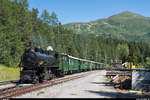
(125, 25)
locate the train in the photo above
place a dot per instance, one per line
(38, 65)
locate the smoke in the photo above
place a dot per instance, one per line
(41, 40)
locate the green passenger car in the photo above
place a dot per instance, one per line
(73, 63)
(69, 64)
(84, 65)
(63, 62)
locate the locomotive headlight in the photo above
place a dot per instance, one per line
(41, 62)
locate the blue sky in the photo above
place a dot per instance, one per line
(88, 10)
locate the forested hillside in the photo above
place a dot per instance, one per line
(124, 26)
(19, 26)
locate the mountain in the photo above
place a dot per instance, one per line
(126, 26)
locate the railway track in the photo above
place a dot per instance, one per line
(8, 82)
(17, 91)
(123, 71)
(7, 89)
(126, 69)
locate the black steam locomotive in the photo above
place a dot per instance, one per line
(38, 65)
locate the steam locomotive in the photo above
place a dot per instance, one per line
(38, 65)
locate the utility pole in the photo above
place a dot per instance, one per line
(61, 42)
(85, 46)
(111, 61)
(116, 60)
(58, 49)
(86, 51)
(53, 36)
(99, 57)
(105, 59)
(58, 39)
(96, 55)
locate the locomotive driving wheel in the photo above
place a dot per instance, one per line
(51, 75)
(36, 80)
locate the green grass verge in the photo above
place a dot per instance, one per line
(41, 92)
(8, 73)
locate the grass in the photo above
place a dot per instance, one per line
(8, 73)
(109, 79)
(121, 77)
(41, 92)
